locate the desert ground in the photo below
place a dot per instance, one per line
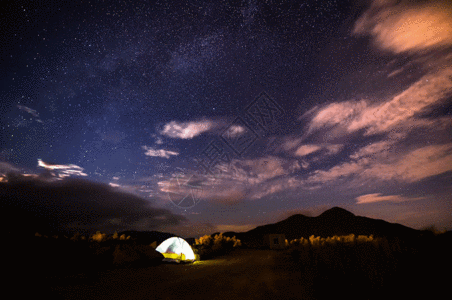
(242, 274)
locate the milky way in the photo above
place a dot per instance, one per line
(228, 115)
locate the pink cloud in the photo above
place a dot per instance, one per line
(430, 89)
(373, 164)
(406, 27)
(276, 186)
(242, 179)
(234, 131)
(260, 169)
(372, 149)
(384, 117)
(235, 228)
(307, 149)
(289, 143)
(416, 165)
(372, 198)
(333, 149)
(336, 113)
(187, 130)
(158, 153)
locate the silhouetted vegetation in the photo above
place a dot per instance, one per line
(358, 266)
(209, 247)
(371, 267)
(57, 255)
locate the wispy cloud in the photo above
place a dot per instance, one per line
(276, 186)
(377, 197)
(313, 148)
(235, 131)
(307, 149)
(7, 168)
(407, 27)
(374, 163)
(235, 228)
(31, 111)
(410, 167)
(373, 149)
(241, 179)
(187, 130)
(351, 116)
(63, 170)
(158, 153)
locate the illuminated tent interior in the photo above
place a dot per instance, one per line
(176, 249)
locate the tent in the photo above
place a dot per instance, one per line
(176, 249)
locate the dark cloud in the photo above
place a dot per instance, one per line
(70, 205)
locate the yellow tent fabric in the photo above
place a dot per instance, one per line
(176, 248)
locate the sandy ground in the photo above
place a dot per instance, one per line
(243, 274)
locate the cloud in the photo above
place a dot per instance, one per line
(232, 183)
(307, 149)
(371, 198)
(333, 149)
(254, 172)
(416, 165)
(31, 111)
(276, 186)
(6, 168)
(75, 204)
(296, 166)
(234, 131)
(187, 188)
(352, 116)
(294, 146)
(62, 170)
(407, 27)
(186, 130)
(158, 153)
(235, 228)
(289, 143)
(373, 163)
(335, 113)
(372, 149)
(430, 89)
(159, 141)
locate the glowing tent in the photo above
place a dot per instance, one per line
(176, 249)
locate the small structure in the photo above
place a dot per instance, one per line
(177, 249)
(275, 241)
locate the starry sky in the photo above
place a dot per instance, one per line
(204, 116)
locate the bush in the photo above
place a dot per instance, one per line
(348, 262)
(99, 237)
(208, 246)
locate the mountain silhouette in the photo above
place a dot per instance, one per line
(335, 221)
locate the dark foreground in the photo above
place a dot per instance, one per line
(243, 274)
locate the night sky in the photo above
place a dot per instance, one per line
(224, 115)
